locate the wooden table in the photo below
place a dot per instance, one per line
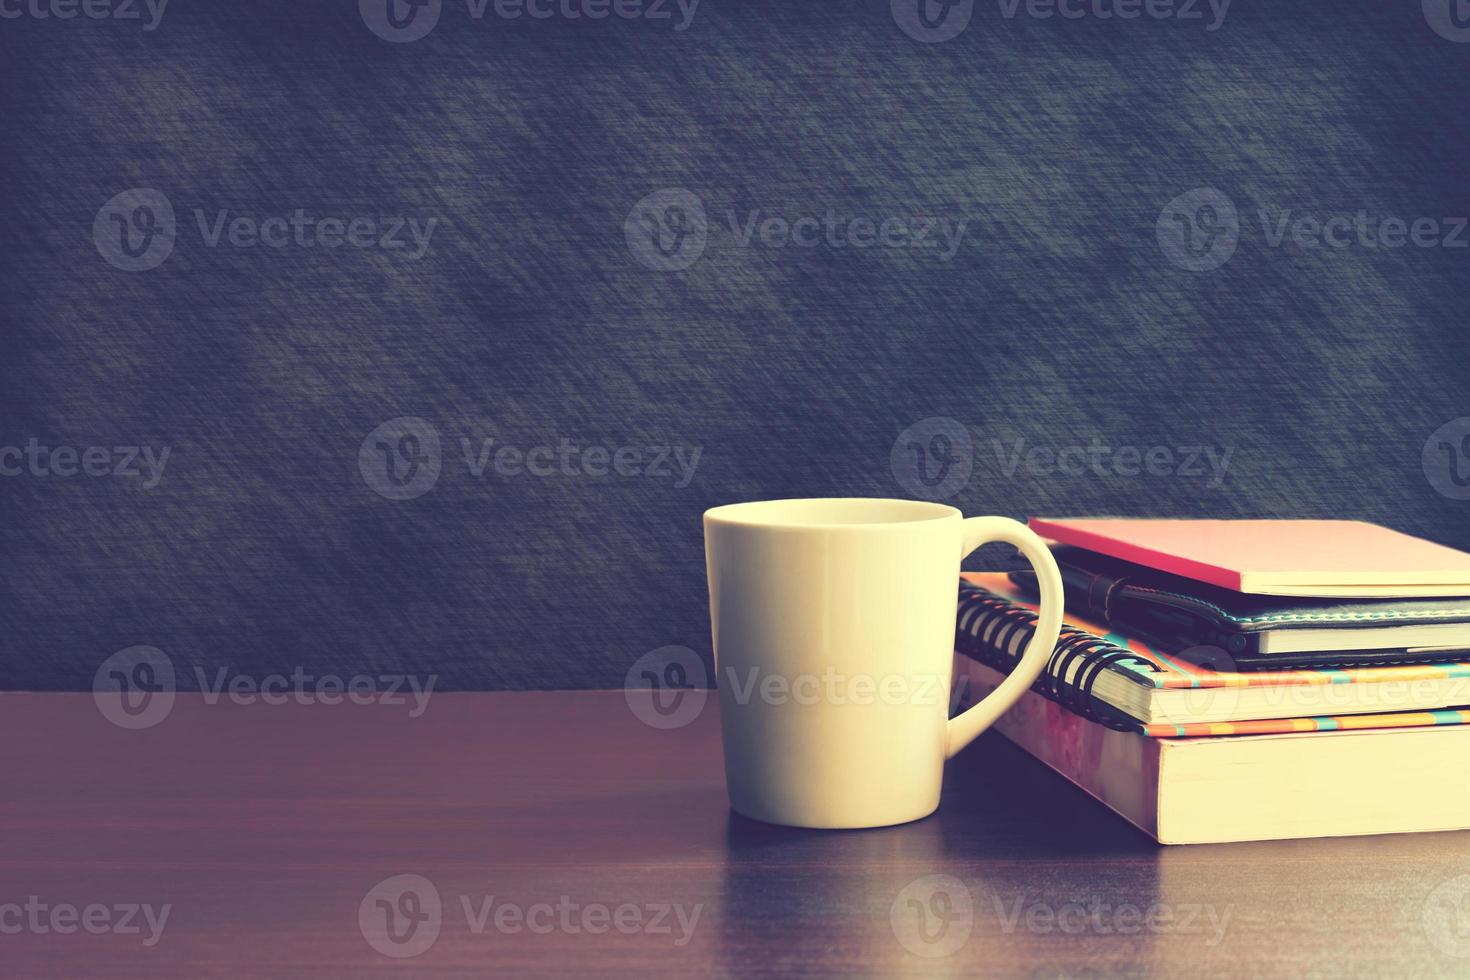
(564, 836)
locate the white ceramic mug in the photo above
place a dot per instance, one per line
(834, 624)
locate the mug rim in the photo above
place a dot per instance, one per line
(864, 513)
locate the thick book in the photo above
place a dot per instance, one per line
(1323, 559)
(1247, 787)
(1128, 683)
(1204, 782)
(1254, 631)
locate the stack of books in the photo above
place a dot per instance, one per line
(1242, 680)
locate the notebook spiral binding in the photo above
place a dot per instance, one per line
(985, 630)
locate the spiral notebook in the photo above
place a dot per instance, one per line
(1269, 786)
(1127, 684)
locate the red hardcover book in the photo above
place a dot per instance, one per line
(1275, 557)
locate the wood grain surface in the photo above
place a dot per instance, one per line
(548, 822)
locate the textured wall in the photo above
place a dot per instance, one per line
(1075, 304)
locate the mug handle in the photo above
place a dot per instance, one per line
(964, 728)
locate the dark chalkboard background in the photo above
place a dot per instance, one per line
(1081, 309)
